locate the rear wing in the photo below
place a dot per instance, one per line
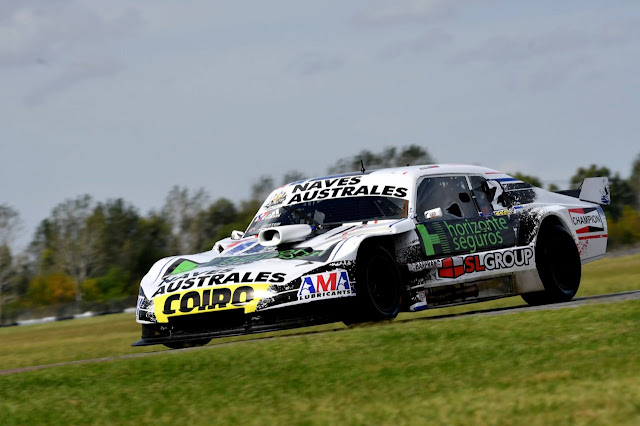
(593, 189)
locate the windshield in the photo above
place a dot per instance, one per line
(331, 212)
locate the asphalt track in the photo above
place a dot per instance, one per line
(579, 301)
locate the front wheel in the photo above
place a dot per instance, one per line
(378, 286)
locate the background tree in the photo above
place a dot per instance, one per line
(154, 241)
(292, 176)
(10, 223)
(184, 211)
(120, 248)
(625, 230)
(620, 189)
(6, 275)
(245, 213)
(220, 214)
(52, 288)
(73, 235)
(533, 180)
(388, 157)
(262, 187)
(411, 155)
(119, 226)
(591, 171)
(634, 181)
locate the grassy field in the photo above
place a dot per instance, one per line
(579, 365)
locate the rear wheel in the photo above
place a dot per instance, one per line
(559, 267)
(378, 286)
(187, 343)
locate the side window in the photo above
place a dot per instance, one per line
(449, 193)
(483, 194)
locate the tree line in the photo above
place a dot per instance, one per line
(90, 251)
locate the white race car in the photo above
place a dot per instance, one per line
(365, 246)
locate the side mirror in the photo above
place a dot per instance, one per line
(433, 213)
(237, 235)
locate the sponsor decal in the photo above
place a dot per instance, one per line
(586, 220)
(241, 246)
(259, 226)
(181, 266)
(270, 214)
(454, 267)
(196, 280)
(340, 188)
(427, 264)
(326, 285)
(326, 183)
(277, 199)
(467, 235)
(591, 237)
(502, 212)
(258, 248)
(139, 305)
(238, 296)
(301, 253)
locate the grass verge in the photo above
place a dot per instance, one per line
(112, 335)
(566, 366)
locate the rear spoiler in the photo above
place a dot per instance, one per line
(593, 189)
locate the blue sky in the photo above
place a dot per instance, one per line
(126, 99)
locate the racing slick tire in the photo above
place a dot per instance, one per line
(559, 267)
(187, 343)
(378, 286)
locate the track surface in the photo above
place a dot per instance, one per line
(604, 298)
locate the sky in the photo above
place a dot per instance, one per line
(124, 99)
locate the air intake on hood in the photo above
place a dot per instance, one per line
(277, 235)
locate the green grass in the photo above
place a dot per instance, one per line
(50, 343)
(568, 366)
(578, 365)
(611, 275)
(112, 335)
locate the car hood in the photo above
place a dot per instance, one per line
(246, 261)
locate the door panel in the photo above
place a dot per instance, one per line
(469, 235)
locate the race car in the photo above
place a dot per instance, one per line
(364, 246)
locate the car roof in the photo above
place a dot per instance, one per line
(395, 177)
(414, 172)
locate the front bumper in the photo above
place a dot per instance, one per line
(236, 322)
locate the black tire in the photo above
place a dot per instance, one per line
(378, 286)
(187, 343)
(559, 267)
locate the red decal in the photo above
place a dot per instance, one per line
(588, 237)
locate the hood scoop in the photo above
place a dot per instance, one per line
(277, 235)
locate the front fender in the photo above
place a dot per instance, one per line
(348, 249)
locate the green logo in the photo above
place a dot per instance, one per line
(466, 235)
